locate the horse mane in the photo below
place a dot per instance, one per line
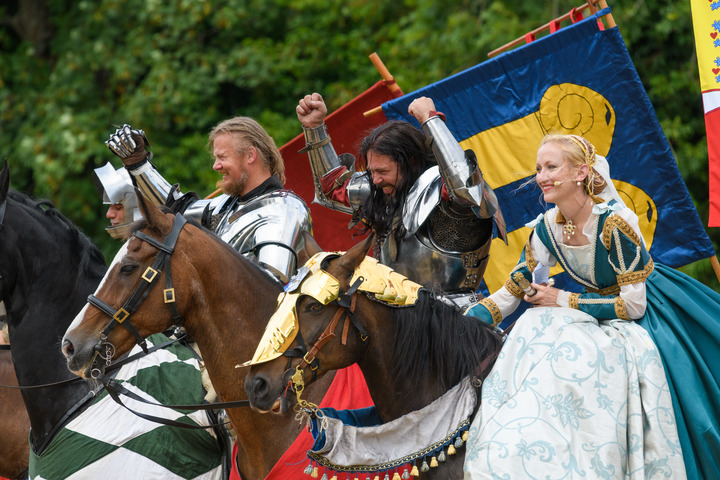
(142, 223)
(89, 253)
(435, 340)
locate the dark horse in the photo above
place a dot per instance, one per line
(48, 267)
(224, 301)
(410, 354)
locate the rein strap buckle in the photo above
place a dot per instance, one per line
(121, 315)
(169, 295)
(149, 274)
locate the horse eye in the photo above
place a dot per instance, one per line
(128, 269)
(314, 306)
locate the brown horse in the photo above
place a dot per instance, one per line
(47, 269)
(224, 301)
(411, 347)
(14, 445)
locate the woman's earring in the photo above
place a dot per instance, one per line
(579, 183)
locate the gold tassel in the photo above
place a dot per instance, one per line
(396, 476)
(314, 473)
(414, 472)
(433, 462)
(465, 436)
(451, 450)
(334, 477)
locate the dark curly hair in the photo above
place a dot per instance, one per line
(407, 146)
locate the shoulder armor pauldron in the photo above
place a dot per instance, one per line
(422, 199)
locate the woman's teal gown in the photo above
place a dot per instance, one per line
(682, 317)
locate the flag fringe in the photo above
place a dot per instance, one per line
(554, 25)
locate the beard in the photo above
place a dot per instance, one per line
(234, 187)
(382, 210)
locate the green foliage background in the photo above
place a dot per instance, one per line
(71, 71)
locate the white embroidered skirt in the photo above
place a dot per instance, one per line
(569, 398)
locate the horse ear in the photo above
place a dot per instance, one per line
(150, 211)
(311, 248)
(354, 257)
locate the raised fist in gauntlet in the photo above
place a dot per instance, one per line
(129, 144)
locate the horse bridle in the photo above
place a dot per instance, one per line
(346, 310)
(122, 315)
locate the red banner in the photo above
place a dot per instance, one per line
(712, 124)
(706, 24)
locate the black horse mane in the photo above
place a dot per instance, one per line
(89, 252)
(435, 340)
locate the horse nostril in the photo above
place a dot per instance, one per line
(255, 386)
(67, 348)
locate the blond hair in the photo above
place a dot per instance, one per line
(579, 151)
(245, 128)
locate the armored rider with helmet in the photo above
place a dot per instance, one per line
(255, 214)
(118, 192)
(423, 196)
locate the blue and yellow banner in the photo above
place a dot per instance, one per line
(578, 80)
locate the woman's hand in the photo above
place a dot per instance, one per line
(544, 297)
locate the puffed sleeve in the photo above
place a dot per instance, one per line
(631, 264)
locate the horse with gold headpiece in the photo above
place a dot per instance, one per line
(422, 359)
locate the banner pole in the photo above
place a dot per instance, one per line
(716, 266)
(213, 194)
(608, 17)
(389, 80)
(385, 74)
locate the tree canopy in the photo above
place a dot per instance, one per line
(72, 71)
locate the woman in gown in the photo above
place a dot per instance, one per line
(619, 381)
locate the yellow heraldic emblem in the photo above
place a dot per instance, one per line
(383, 282)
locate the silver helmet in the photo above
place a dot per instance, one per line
(116, 187)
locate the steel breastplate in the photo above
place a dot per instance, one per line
(267, 229)
(421, 258)
(442, 249)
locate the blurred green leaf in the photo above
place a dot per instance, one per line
(175, 69)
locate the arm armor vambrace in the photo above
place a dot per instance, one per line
(461, 174)
(323, 160)
(153, 186)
